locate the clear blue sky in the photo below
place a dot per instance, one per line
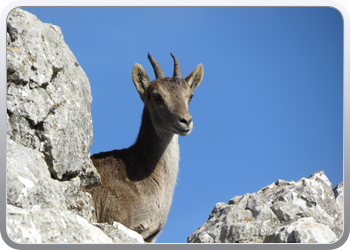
(270, 105)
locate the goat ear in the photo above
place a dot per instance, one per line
(140, 79)
(196, 76)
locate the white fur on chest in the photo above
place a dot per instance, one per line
(170, 161)
(159, 203)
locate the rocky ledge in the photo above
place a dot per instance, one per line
(306, 211)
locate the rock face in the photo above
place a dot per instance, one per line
(51, 226)
(48, 98)
(49, 134)
(306, 211)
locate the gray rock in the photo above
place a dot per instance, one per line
(76, 199)
(44, 210)
(305, 230)
(51, 226)
(302, 211)
(119, 233)
(20, 130)
(339, 196)
(32, 104)
(49, 134)
(48, 98)
(28, 180)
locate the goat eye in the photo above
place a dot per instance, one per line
(190, 98)
(156, 96)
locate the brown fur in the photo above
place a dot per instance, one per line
(138, 182)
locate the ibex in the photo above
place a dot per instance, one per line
(138, 182)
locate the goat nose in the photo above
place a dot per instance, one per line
(187, 120)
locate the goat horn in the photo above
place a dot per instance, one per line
(157, 69)
(177, 71)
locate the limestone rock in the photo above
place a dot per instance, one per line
(48, 98)
(28, 179)
(339, 196)
(305, 230)
(51, 226)
(49, 134)
(76, 199)
(119, 233)
(302, 211)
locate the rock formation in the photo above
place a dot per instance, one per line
(306, 211)
(49, 134)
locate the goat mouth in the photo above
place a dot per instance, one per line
(182, 130)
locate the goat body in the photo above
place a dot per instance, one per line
(138, 182)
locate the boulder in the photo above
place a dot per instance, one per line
(119, 233)
(51, 226)
(48, 98)
(304, 230)
(49, 134)
(29, 182)
(306, 211)
(339, 196)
